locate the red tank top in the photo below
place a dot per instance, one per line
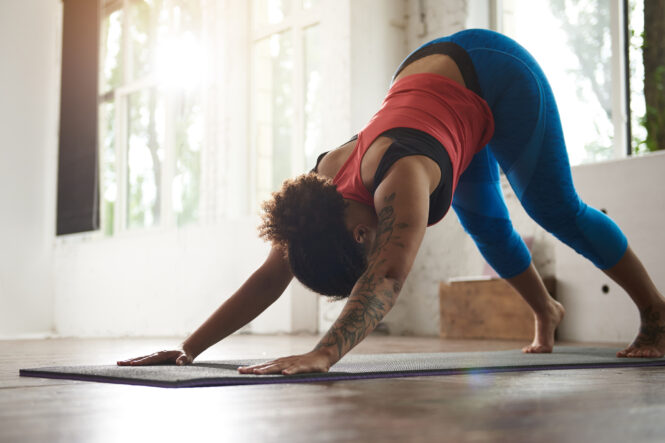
(457, 117)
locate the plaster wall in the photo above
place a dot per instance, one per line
(29, 81)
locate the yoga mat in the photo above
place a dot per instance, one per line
(351, 367)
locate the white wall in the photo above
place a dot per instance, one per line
(378, 46)
(29, 81)
(156, 282)
(441, 18)
(632, 192)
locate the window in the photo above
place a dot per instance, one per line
(152, 112)
(285, 122)
(581, 46)
(636, 77)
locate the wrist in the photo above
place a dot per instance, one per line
(329, 353)
(188, 350)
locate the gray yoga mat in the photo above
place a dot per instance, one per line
(351, 367)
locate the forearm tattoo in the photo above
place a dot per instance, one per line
(373, 294)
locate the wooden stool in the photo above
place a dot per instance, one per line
(486, 308)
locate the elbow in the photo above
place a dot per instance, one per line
(397, 275)
(392, 286)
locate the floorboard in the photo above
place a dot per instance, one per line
(609, 405)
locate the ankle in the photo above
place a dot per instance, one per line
(549, 309)
(652, 312)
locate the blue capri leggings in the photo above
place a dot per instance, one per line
(529, 146)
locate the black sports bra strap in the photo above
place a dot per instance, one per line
(323, 154)
(407, 142)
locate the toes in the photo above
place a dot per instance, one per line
(648, 353)
(626, 353)
(642, 353)
(537, 349)
(633, 352)
(630, 352)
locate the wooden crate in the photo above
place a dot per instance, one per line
(488, 309)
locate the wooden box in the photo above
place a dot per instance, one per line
(487, 309)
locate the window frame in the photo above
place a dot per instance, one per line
(296, 23)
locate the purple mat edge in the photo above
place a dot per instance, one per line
(313, 378)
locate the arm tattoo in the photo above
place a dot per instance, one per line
(373, 295)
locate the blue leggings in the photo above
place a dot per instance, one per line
(529, 146)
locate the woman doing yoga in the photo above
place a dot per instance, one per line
(459, 108)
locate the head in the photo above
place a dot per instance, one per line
(325, 238)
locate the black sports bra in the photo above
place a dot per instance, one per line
(408, 142)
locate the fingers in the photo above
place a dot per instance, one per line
(272, 367)
(133, 361)
(284, 366)
(152, 359)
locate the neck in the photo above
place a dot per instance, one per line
(358, 213)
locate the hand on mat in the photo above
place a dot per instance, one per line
(315, 361)
(159, 358)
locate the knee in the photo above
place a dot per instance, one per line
(557, 217)
(607, 241)
(497, 241)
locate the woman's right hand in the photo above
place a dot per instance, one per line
(177, 357)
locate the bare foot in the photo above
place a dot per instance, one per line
(546, 324)
(650, 341)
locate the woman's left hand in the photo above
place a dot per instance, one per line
(314, 361)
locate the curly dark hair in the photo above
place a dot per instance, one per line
(306, 219)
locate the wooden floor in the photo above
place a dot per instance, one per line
(604, 405)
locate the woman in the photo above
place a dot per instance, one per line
(459, 107)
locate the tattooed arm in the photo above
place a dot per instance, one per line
(402, 204)
(377, 288)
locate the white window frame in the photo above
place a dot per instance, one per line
(296, 22)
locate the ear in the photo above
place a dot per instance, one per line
(360, 233)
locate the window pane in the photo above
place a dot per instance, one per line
(179, 53)
(269, 12)
(145, 139)
(571, 41)
(273, 111)
(189, 133)
(147, 19)
(111, 52)
(637, 100)
(108, 163)
(313, 116)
